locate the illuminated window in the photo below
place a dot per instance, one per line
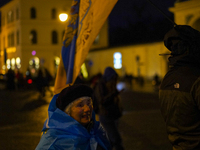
(117, 60)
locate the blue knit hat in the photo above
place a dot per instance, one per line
(109, 73)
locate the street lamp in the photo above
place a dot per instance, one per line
(63, 17)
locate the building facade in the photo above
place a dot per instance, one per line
(144, 59)
(31, 34)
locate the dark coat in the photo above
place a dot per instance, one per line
(180, 105)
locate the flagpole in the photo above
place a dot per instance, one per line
(162, 12)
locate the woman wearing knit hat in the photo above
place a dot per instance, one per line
(71, 122)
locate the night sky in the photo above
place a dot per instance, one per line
(137, 21)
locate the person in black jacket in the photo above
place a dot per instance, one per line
(110, 108)
(42, 81)
(179, 92)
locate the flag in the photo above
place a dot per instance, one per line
(84, 23)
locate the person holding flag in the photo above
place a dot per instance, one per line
(71, 120)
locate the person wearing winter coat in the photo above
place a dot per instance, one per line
(71, 122)
(109, 106)
(179, 92)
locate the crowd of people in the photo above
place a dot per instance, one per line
(16, 80)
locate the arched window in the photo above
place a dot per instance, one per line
(54, 37)
(17, 13)
(10, 16)
(33, 37)
(53, 13)
(33, 13)
(11, 39)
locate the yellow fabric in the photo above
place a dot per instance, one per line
(92, 15)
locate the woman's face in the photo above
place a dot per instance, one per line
(81, 110)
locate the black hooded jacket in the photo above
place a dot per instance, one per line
(179, 95)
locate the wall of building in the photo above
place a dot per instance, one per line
(185, 13)
(44, 25)
(149, 63)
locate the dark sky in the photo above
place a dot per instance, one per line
(137, 21)
(2, 2)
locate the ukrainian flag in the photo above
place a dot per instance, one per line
(84, 23)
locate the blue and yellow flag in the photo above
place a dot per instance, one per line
(84, 23)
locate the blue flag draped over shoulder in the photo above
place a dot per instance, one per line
(85, 21)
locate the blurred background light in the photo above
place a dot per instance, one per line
(63, 17)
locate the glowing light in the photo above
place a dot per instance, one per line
(33, 70)
(84, 70)
(11, 50)
(117, 55)
(18, 60)
(63, 17)
(117, 60)
(37, 61)
(8, 66)
(117, 66)
(57, 60)
(13, 61)
(33, 53)
(31, 62)
(37, 66)
(27, 73)
(29, 81)
(3, 67)
(19, 66)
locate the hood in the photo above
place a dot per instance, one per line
(184, 43)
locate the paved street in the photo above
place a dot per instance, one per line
(142, 126)
(23, 114)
